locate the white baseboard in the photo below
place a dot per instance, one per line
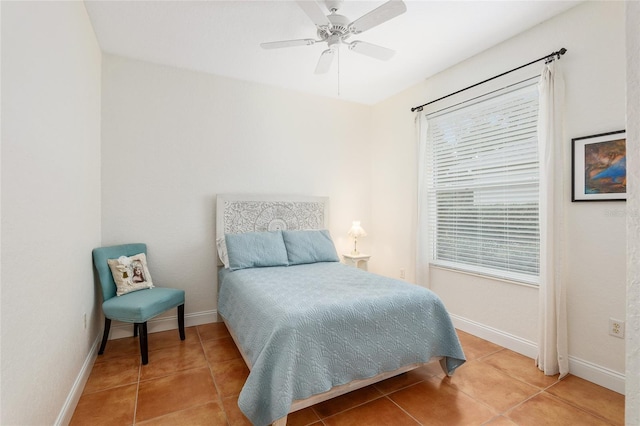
(509, 341)
(64, 418)
(120, 329)
(594, 373)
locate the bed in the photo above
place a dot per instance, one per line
(309, 327)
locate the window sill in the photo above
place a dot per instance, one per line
(484, 276)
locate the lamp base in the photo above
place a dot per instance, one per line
(355, 251)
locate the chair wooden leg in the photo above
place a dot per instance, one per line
(135, 330)
(105, 335)
(144, 348)
(181, 321)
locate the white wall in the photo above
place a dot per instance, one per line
(50, 205)
(173, 139)
(594, 69)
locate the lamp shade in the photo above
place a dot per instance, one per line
(356, 230)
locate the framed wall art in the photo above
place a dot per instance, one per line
(599, 166)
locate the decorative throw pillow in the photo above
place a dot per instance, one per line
(309, 246)
(256, 249)
(130, 273)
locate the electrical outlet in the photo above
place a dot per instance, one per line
(84, 320)
(402, 275)
(616, 327)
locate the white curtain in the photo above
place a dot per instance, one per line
(422, 229)
(552, 319)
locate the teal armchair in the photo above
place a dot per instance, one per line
(136, 307)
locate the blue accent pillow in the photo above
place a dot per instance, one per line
(309, 247)
(256, 249)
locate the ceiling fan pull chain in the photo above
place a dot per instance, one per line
(338, 72)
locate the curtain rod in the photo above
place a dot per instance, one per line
(548, 58)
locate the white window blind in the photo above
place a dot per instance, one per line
(482, 186)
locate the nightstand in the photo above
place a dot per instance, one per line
(359, 260)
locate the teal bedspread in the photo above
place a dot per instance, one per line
(308, 328)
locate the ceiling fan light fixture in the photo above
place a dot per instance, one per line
(334, 42)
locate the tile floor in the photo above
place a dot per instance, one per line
(197, 382)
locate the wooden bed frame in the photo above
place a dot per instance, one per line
(268, 213)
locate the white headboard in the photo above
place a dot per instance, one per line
(237, 213)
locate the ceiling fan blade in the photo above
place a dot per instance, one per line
(377, 16)
(324, 63)
(372, 50)
(314, 12)
(287, 43)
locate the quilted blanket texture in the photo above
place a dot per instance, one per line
(308, 328)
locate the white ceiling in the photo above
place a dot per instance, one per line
(223, 38)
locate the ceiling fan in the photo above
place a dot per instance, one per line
(335, 29)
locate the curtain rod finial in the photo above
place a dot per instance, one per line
(558, 53)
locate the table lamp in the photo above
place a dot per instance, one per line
(355, 232)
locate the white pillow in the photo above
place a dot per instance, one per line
(130, 273)
(222, 251)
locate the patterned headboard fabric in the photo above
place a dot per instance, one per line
(256, 213)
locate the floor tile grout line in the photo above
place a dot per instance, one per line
(577, 407)
(402, 387)
(480, 358)
(510, 409)
(213, 379)
(475, 399)
(135, 404)
(346, 409)
(164, 376)
(491, 408)
(110, 387)
(497, 416)
(178, 411)
(382, 395)
(316, 413)
(519, 379)
(546, 389)
(219, 397)
(543, 391)
(403, 410)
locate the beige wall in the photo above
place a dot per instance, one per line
(50, 206)
(632, 409)
(594, 69)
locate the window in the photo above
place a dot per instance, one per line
(482, 186)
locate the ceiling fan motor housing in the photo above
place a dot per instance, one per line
(339, 27)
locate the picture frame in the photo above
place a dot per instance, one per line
(599, 170)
